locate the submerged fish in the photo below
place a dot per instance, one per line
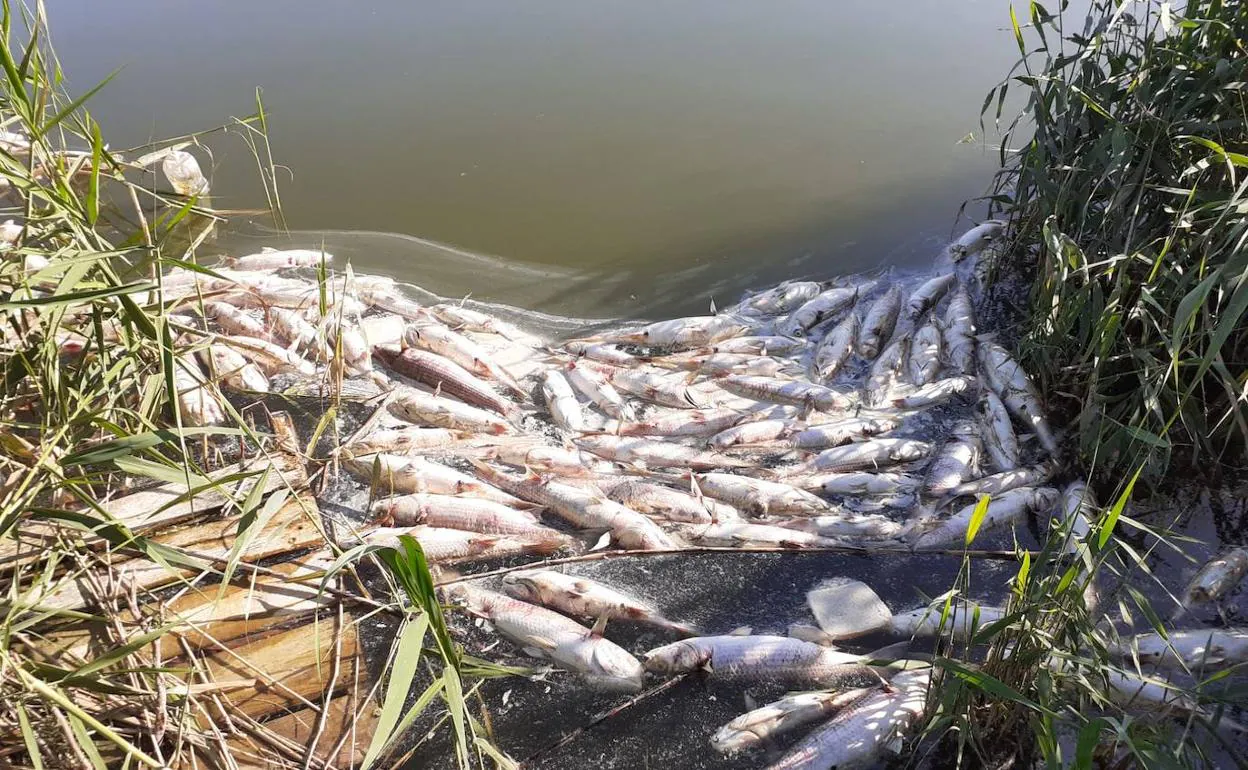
(548, 634)
(584, 598)
(1194, 649)
(860, 732)
(782, 716)
(1218, 576)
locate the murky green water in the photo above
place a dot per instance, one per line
(621, 157)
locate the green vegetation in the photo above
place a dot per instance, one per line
(1129, 206)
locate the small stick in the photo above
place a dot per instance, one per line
(604, 716)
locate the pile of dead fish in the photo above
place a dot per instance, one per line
(852, 413)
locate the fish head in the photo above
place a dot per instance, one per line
(907, 451)
(676, 658)
(522, 586)
(1044, 498)
(615, 666)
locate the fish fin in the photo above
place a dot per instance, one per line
(714, 310)
(581, 587)
(741, 631)
(600, 625)
(890, 653)
(534, 652)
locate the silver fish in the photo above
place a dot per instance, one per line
(271, 358)
(1004, 481)
(974, 240)
(584, 598)
(403, 440)
(1006, 508)
(235, 321)
(758, 495)
(595, 387)
(656, 454)
(1194, 649)
(198, 403)
(956, 461)
(998, 433)
(444, 376)
(1216, 577)
(752, 434)
(959, 330)
(887, 371)
(686, 422)
(774, 345)
(925, 354)
(566, 642)
(782, 298)
(1017, 391)
(835, 348)
(842, 525)
(878, 326)
(463, 513)
(758, 658)
(651, 386)
(964, 619)
(272, 259)
(875, 453)
(856, 483)
(782, 716)
(564, 409)
(860, 732)
(722, 364)
(818, 309)
(656, 500)
(454, 346)
(385, 295)
(295, 330)
(929, 294)
(583, 509)
(233, 370)
(396, 473)
(932, 393)
(442, 544)
(744, 534)
(460, 317)
(420, 407)
(692, 332)
(542, 457)
(797, 393)
(602, 352)
(843, 431)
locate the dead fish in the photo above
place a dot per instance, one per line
(651, 386)
(685, 422)
(692, 332)
(271, 358)
(847, 525)
(442, 544)
(861, 732)
(184, 174)
(929, 294)
(797, 393)
(753, 434)
(964, 618)
(832, 434)
(956, 461)
(933, 393)
(235, 321)
(925, 354)
(656, 454)
(232, 370)
(396, 473)
(444, 375)
(974, 240)
(773, 345)
(818, 309)
(722, 364)
(1017, 391)
(782, 716)
(782, 298)
(295, 330)
(438, 339)
(1003, 509)
(1202, 648)
(198, 404)
(737, 533)
(887, 371)
(758, 495)
(998, 433)
(602, 352)
(760, 658)
(878, 326)
(561, 402)
(548, 634)
(460, 317)
(272, 259)
(875, 453)
(959, 331)
(595, 387)
(420, 407)
(856, 483)
(583, 509)
(836, 347)
(400, 440)
(1217, 577)
(1004, 481)
(462, 513)
(584, 598)
(664, 502)
(542, 457)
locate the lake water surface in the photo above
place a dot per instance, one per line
(620, 158)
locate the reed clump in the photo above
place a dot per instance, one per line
(1127, 202)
